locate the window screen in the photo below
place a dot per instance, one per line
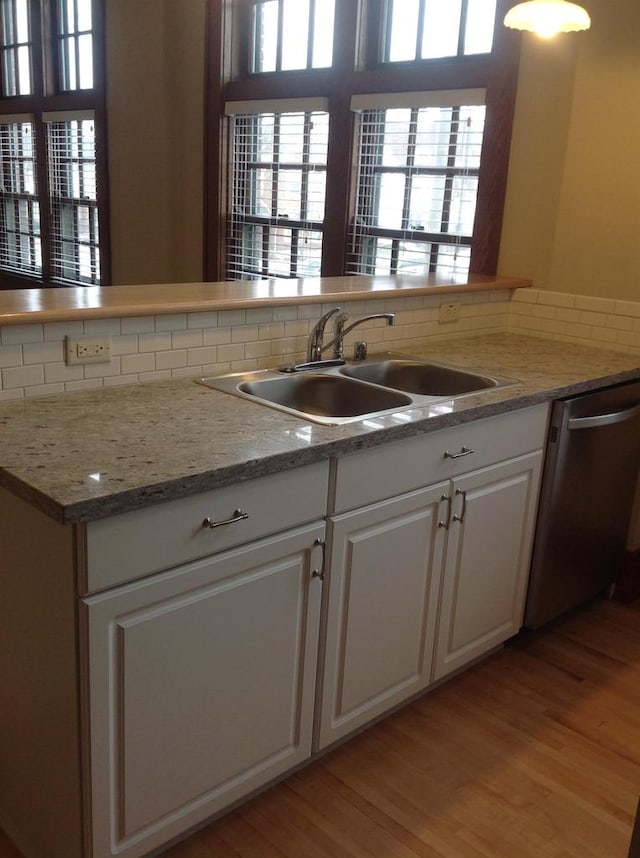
(417, 187)
(277, 194)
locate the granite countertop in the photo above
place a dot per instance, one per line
(87, 455)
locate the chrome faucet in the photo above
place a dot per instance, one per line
(338, 341)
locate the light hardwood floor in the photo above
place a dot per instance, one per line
(533, 752)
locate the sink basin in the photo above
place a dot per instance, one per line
(413, 376)
(387, 383)
(329, 396)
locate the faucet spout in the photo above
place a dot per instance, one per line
(338, 341)
(315, 347)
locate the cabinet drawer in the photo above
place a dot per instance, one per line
(150, 539)
(403, 466)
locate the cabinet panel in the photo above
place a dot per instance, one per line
(202, 688)
(385, 574)
(487, 564)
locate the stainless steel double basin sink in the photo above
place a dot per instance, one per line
(381, 384)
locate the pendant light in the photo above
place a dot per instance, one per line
(546, 18)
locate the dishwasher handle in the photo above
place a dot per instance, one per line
(598, 420)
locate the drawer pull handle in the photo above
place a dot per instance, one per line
(237, 516)
(464, 451)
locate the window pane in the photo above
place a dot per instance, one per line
(441, 28)
(433, 137)
(404, 15)
(75, 44)
(16, 48)
(265, 38)
(292, 34)
(481, 16)
(427, 201)
(323, 34)
(396, 137)
(295, 32)
(390, 201)
(437, 27)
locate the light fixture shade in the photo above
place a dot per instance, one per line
(548, 17)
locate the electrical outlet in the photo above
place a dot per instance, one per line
(87, 350)
(449, 312)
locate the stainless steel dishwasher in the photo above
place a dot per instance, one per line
(587, 494)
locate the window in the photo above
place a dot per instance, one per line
(279, 177)
(417, 185)
(418, 99)
(443, 28)
(51, 145)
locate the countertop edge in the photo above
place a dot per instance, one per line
(40, 306)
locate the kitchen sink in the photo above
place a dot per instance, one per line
(414, 376)
(381, 385)
(325, 395)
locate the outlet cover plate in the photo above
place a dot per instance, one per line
(81, 350)
(449, 312)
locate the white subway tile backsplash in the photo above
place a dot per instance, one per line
(186, 339)
(202, 320)
(42, 352)
(22, 376)
(172, 359)
(15, 335)
(137, 363)
(138, 325)
(188, 345)
(206, 354)
(102, 327)
(171, 322)
(60, 330)
(157, 342)
(10, 356)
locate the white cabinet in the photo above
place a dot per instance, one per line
(487, 562)
(424, 582)
(385, 567)
(201, 687)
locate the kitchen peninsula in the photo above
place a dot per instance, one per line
(139, 642)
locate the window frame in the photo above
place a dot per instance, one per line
(357, 69)
(48, 98)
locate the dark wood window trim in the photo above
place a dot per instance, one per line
(355, 71)
(47, 97)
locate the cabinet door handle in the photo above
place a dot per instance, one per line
(319, 573)
(464, 451)
(447, 520)
(463, 511)
(237, 516)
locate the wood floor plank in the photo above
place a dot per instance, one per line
(533, 753)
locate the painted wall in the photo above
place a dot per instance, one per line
(572, 221)
(155, 98)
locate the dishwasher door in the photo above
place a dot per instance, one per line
(588, 487)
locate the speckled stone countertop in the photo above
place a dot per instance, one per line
(84, 456)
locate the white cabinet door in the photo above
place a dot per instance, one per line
(386, 561)
(487, 564)
(201, 687)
